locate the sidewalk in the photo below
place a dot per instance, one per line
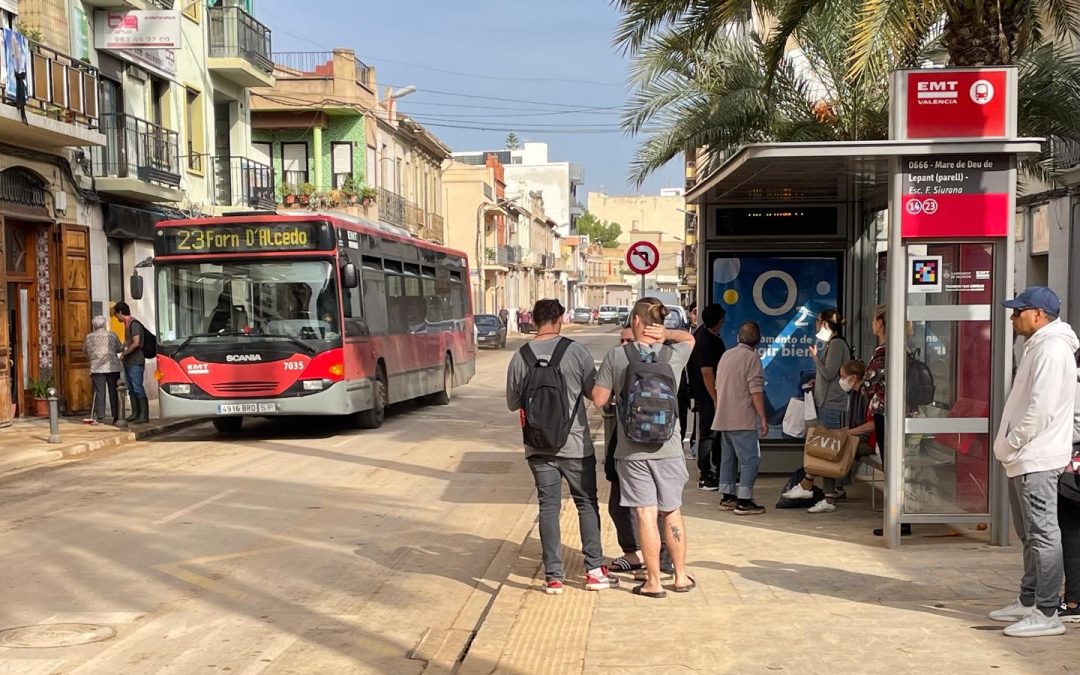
(25, 445)
(783, 592)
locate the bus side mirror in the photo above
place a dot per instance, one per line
(349, 278)
(136, 286)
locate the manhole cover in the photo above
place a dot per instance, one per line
(55, 635)
(485, 467)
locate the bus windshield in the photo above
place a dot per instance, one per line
(206, 301)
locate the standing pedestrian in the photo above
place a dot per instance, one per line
(504, 316)
(134, 363)
(102, 349)
(740, 418)
(546, 381)
(1034, 443)
(1069, 519)
(708, 349)
(649, 455)
(830, 353)
(873, 388)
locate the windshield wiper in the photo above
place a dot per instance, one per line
(236, 333)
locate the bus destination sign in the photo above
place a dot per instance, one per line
(243, 238)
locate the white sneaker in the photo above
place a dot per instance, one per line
(1036, 624)
(1014, 612)
(798, 492)
(822, 507)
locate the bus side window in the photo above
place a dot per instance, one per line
(373, 288)
(352, 304)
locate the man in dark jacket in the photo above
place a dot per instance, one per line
(708, 348)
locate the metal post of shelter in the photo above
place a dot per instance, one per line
(896, 297)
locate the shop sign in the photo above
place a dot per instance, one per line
(955, 103)
(137, 29)
(955, 196)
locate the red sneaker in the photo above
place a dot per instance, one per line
(602, 581)
(553, 587)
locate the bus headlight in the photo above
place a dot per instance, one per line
(180, 389)
(314, 385)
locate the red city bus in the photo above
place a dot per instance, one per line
(312, 314)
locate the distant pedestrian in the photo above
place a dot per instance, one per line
(1034, 443)
(692, 311)
(708, 349)
(134, 363)
(740, 418)
(102, 349)
(546, 381)
(649, 455)
(504, 316)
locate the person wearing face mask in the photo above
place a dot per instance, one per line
(850, 382)
(830, 353)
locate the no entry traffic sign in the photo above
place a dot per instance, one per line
(642, 257)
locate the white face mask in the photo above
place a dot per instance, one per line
(847, 385)
(824, 334)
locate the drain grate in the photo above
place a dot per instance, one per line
(50, 635)
(485, 467)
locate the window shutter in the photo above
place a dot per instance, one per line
(342, 160)
(294, 157)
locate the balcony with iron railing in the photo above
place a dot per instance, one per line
(61, 108)
(239, 181)
(140, 160)
(240, 47)
(1066, 155)
(319, 65)
(434, 228)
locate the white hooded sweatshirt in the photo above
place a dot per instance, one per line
(1036, 429)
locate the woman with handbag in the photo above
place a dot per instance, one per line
(830, 353)
(851, 377)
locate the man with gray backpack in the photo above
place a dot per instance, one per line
(644, 376)
(545, 383)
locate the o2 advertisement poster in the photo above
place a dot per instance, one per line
(784, 296)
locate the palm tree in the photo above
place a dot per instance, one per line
(700, 88)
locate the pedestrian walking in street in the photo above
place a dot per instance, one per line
(102, 349)
(622, 517)
(504, 316)
(1034, 443)
(134, 361)
(830, 353)
(546, 382)
(649, 455)
(708, 349)
(740, 418)
(1069, 519)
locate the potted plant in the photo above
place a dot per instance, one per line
(288, 194)
(348, 190)
(306, 191)
(368, 195)
(39, 389)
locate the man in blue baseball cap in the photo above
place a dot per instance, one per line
(1034, 443)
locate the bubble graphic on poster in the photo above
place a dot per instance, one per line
(726, 270)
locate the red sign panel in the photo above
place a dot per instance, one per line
(967, 103)
(955, 196)
(642, 257)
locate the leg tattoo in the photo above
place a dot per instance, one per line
(676, 533)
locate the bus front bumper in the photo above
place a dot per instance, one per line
(336, 400)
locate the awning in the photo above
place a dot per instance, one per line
(834, 172)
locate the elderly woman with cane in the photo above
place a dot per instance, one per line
(102, 348)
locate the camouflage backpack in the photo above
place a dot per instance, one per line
(649, 403)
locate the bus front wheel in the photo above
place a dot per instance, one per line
(228, 425)
(373, 417)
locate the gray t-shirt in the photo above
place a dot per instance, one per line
(136, 357)
(579, 372)
(612, 376)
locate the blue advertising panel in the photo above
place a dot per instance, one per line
(784, 296)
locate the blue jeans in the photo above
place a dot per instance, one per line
(133, 377)
(580, 476)
(739, 450)
(830, 418)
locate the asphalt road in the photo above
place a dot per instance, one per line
(298, 546)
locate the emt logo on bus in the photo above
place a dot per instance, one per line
(243, 237)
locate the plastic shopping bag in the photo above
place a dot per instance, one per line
(794, 420)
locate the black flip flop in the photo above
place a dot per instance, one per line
(648, 594)
(621, 564)
(687, 589)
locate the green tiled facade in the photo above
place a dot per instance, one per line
(341, 129)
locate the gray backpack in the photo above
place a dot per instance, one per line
(649, 403)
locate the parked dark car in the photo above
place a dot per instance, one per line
(623, 314)
(581, 315)
(490, 331)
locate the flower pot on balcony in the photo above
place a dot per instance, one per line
(368, 201)
(305, 200)
(290, 200)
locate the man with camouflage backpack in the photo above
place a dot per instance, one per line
(649, 457)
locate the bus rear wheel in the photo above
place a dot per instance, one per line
(373, 417)
(228, 425)
(443, 397)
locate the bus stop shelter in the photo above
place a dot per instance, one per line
(786, 230)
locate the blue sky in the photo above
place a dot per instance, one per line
(553, 51)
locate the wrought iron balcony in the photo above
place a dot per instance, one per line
(1066, 155)
(434, 228)
(239, 181)
(236, 34)
(136, 148)
(306, 65)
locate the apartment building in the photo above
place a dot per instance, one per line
(476, 223)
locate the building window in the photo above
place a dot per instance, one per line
(262, 152)
(294, 163)
(116, 270)
(372, 169)
(341, 160)
(196, 131)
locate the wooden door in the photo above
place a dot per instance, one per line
(5, 344)
(74, 317)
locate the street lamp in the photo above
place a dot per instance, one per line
(403, 92)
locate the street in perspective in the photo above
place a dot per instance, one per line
(591, 336)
